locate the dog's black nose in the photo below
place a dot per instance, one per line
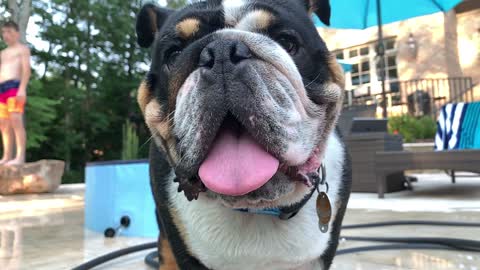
(224, 53)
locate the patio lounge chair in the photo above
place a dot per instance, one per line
(365, 136)
(457, 147)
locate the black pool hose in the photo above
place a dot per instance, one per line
(114, 255)
(391, 247)
(152, 260)
(459, 244)
(411, 223)
(424, 243)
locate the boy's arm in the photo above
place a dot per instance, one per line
(26, 72)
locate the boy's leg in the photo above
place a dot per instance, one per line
(16, 122)
(7, 136)
(15, 109)
(7, 140)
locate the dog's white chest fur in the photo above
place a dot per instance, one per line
(224, 239)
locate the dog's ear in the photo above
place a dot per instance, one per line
(321, 8)
(149, 20)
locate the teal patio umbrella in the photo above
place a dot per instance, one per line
(361, 14)
(347, 67)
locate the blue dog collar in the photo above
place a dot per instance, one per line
(267, 212)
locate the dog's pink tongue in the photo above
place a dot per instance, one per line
(237, 165)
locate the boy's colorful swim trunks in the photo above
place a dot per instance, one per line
(9, 102)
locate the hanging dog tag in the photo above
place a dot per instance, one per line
(324, 211)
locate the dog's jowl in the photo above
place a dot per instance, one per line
(242, 99)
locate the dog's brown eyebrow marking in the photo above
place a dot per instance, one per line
(256, 20)
(187, 28)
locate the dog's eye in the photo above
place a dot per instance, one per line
(289, 43)
(171, 56)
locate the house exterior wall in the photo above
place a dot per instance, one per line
(428, 31)
(448, 46)
(469, 46)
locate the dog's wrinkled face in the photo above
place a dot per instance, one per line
(241, 96)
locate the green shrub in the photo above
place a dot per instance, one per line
(412, 128)
(73, 177)
(428, 128)
(130, 142)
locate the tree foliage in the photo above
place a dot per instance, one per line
(176, 3)
(40, 113)
(92, 68)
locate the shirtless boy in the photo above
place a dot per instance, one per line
(14, 76)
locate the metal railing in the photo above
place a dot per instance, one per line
(417, 97)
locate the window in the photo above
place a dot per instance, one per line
(339, 55)
(364, 76)
(364, 50)
(390, 67)
(361, 73)
(390, 44)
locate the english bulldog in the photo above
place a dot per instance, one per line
(247, 168)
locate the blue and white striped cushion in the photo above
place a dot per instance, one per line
(458, 127)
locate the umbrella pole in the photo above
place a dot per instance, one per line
(381, 56)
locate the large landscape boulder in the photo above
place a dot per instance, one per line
(38, 177)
